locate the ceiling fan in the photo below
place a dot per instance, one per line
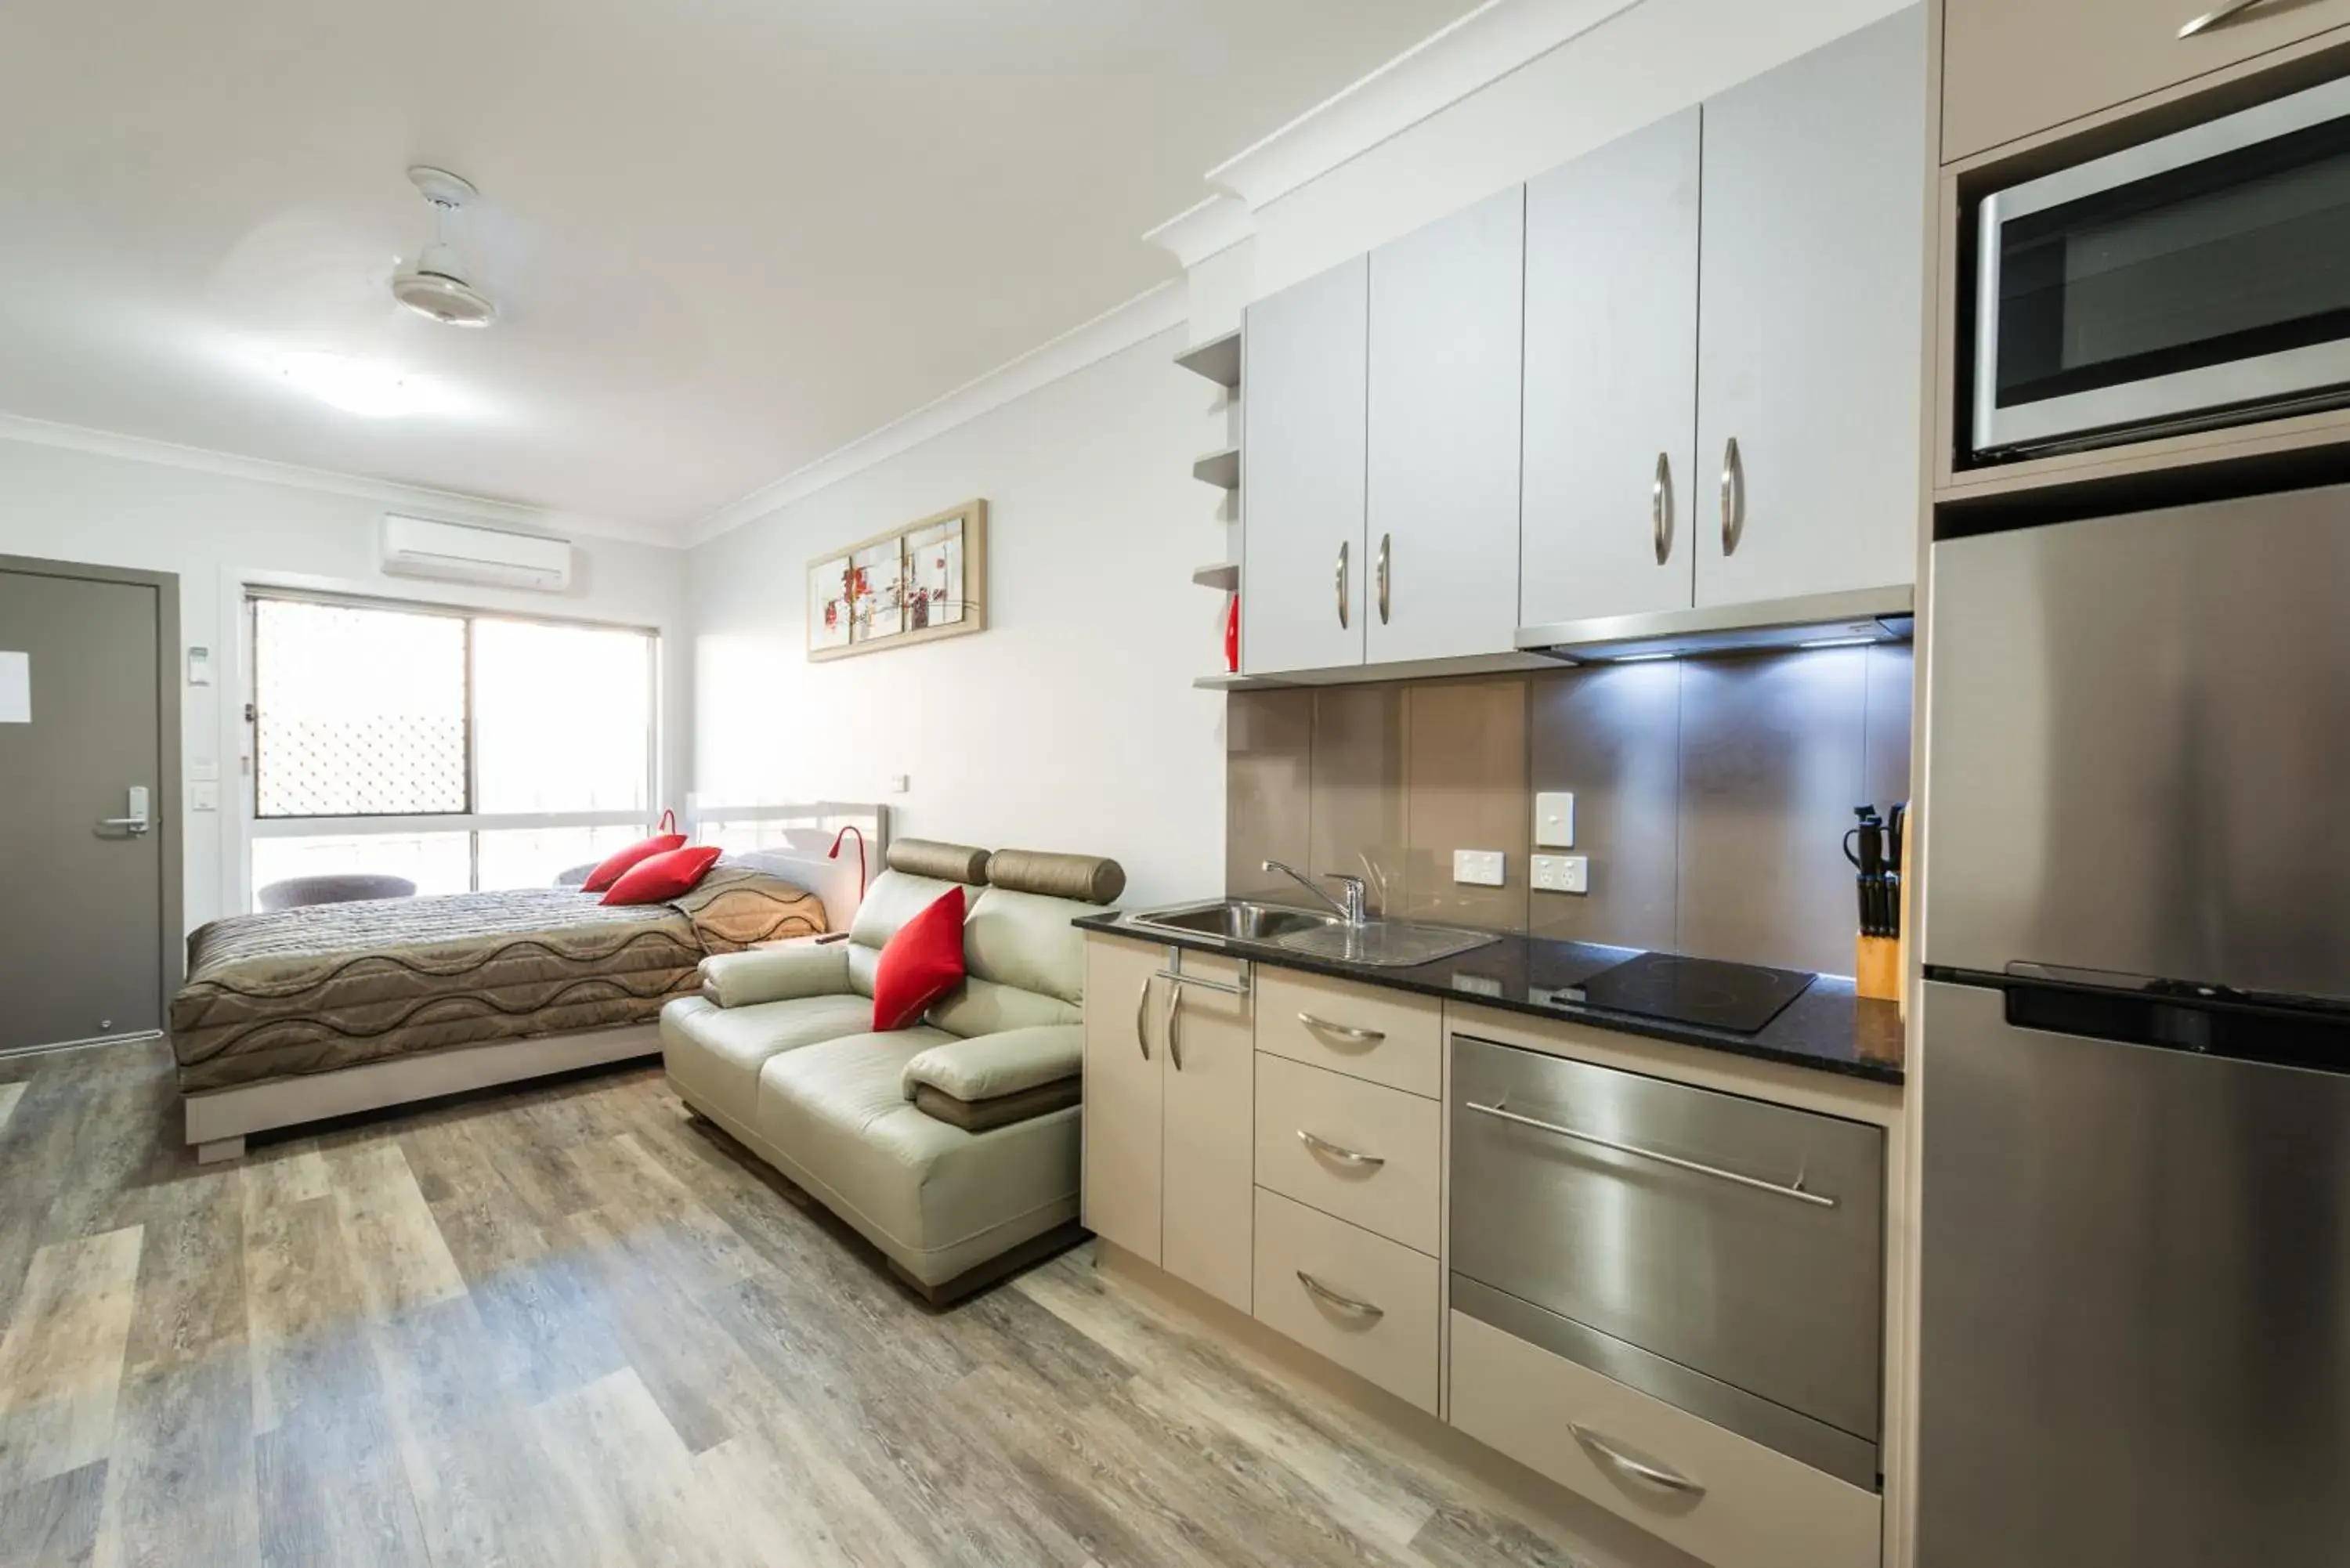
(436, 284)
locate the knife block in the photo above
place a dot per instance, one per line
(1876, 968)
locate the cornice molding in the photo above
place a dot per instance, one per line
(1479, 48)
(1120, 327)
(454, 504)
(1197, 232)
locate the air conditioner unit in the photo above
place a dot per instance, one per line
(463, 553)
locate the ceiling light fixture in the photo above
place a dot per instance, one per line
(437, 283)
(357, 385)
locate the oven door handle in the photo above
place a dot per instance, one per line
(2217, 15)
(1501, 1111)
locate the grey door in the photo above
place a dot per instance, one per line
(83, 925)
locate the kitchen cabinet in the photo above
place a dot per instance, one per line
(1611, 333)
(2012, 68)
(1446, 333)
(1169, 1113)
(1810, 300)
(1302, 572)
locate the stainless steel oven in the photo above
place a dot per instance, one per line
(2187, 283)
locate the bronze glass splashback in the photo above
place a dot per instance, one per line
(1711, 795)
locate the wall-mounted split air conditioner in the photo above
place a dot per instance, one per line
(463, 553)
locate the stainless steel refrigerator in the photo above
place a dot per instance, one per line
(2135, 1076)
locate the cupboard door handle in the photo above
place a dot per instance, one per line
(1733, 498)
(1655, 1475)
(1340, 578)
(1347, 1157)
(1660, 507)
(1343, 1031)
(1385, 540)
(1500, 1111)
(1345, 1303)
(1174, 1035)
(1142, 1014)
(2217, 15)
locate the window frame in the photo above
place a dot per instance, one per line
(471, 821)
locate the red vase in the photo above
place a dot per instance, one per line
(1232, 636)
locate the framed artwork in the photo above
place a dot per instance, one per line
(913, 584)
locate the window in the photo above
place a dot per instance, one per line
(457, 750)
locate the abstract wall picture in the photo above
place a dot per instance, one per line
(925, 580)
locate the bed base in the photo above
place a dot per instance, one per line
(219, 1120)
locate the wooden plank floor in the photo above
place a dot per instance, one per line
(568, 1326)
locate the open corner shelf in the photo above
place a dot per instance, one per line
(1224, 576)
(1219, 359)
(1221, 468)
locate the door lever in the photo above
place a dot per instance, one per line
(136, 822)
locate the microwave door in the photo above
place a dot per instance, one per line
(2189, 282)
(2141, 735)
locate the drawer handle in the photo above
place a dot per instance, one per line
(1343, 1031)
(1328, 1150)
(1655, 1475)
(1346, 1304)
(1500, 1109)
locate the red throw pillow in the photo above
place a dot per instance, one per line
(611, 870)
(663, 877)
(921, 963)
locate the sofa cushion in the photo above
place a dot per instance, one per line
(917, 1186)
(1089, 878)
(715, 1053)
(984, 1007)
(930, 858)
(1025, 939)
(921, 962)
(895, 897)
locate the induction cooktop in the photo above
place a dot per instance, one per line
(1738, 997)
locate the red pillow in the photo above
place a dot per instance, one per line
(921, 963)
(661, 878)
(610, 871)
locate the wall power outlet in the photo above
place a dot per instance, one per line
(1561, 873)
(1478, 868)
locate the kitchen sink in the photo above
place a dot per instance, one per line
(1239, 920)
(1389, 944)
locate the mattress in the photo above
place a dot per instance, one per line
(331, 986)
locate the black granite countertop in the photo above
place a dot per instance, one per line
(1828, 1027)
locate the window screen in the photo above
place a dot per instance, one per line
(358, 712)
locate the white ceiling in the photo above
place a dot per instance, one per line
(729, 238)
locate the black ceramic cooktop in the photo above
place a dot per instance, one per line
(1739, 997)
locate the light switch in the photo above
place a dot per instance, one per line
(897, 784)
(204, 798)
(1554, 820)
(199, 667)
(1561, 873)
(1478, 868)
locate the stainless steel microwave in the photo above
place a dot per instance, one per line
(2195, 281)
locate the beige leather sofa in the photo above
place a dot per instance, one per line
(952, 1145)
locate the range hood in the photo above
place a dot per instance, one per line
(1810, 621)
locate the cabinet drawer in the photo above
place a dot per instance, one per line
(1386, 1036)
(2011, 67)
(1363, 1152)
(1374, 1312)
(1710, 1492)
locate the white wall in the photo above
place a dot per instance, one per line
(217, 531)
(1071, 722)
(1630, 71)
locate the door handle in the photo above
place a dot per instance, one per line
(2217, 15)
(1733, 498)
(1660, 508)
(136, 822)
(1340, 579)
(1174, 1038)
(1385, 540)
(1655, 1475)
(1142, 1015)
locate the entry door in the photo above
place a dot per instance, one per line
(81, 890)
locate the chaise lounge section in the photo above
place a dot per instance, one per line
(952, 1145)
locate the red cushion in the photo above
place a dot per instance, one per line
(663, 877)
(921, 963)
(610, 872)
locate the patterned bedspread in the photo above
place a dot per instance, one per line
(336, 985)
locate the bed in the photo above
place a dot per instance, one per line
(312, 1013)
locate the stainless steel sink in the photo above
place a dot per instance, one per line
(1238, 920)
(1392, 944)
(1385, 944)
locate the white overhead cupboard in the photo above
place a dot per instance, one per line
(1680, 374)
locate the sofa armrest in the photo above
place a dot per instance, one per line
(989, 1066)
(776, 974)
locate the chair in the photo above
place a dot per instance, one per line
(343, 888)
